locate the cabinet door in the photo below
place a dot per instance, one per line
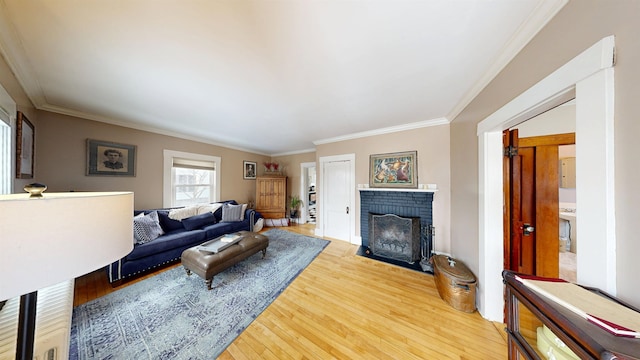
(279, 194)
(263, 194)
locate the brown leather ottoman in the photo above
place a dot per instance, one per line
(206, 264)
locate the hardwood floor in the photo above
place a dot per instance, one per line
(344, 306)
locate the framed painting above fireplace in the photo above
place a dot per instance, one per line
(394, 170)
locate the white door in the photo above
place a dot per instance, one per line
(337, 199)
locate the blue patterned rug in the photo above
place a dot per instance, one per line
(174, 316)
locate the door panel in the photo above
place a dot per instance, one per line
(337, 200)
(547, 208)
(263, 200)
(527, 254)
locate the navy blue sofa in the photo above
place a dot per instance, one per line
(176, 238)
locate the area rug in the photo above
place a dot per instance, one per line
(174, 316)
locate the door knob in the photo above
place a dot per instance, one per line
(528, 229)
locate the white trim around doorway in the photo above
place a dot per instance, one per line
(589, 78)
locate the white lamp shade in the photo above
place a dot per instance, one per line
(44, 241)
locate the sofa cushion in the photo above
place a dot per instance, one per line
(166, 242)
(231, 213)
(222, 228)
(146, 227)
(199, 221)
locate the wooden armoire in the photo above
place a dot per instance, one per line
(271, 196)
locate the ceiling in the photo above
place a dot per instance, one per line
(267, 76)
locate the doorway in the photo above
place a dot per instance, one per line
(568, 231)
(589, 77)
(308, 192)
(532, 182)
(536, 194)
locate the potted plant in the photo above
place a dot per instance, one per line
(294, 206)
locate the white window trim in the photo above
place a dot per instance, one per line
(168, 164)
(8, 108)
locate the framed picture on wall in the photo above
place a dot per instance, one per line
(25, 147)
(394, 170)
(249, 170)
(106, 158)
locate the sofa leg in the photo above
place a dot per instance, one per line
(116, 283)
(208, 283)
(264, 253)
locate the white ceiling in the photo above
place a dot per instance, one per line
(268, 76)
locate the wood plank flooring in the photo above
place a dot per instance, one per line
(344, 306)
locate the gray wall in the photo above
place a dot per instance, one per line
(580, 24)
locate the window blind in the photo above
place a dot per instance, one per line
(194, 164)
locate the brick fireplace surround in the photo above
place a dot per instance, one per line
(400, 202)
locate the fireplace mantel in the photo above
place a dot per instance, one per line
(361, 187)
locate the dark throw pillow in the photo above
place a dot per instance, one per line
(199, 221)
(167, 223)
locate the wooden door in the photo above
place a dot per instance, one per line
(531, 202)
(518, 210)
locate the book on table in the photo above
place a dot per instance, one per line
(615, 318)
(216, 245)
(230, 238)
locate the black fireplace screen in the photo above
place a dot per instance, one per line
(395, 237)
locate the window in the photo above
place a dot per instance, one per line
(190, 178)
(191, 182)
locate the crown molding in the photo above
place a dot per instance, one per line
(14, 54)
(151, 129)
(296, 152)
(383, 131)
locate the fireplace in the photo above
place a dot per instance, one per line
(412, 204)
(395, 237)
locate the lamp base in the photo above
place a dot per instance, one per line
(26, 326)
(35, 189)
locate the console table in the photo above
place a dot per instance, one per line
(526, 311)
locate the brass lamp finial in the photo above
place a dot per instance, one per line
(35, 189)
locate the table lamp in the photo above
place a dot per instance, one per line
(49, 238)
